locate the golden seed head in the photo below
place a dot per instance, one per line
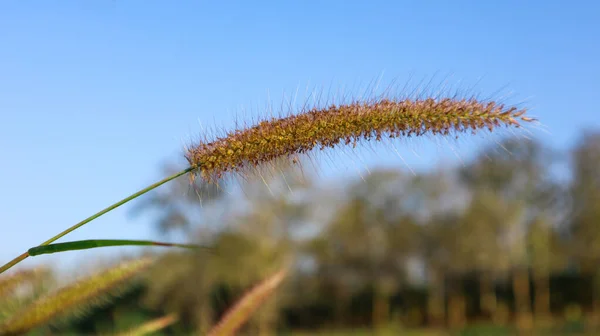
(347, 124)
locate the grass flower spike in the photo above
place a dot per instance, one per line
(75, 298)
(284, 138)
(346, 124)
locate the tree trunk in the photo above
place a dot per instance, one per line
(380, 310)
(593, 321)
(435, 302)
(381, 306)
(456, 307)
(487, 295)
(339, 305)
(542, 297)
(595, 312)
(522, 299)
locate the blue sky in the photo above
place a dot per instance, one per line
(95, 95)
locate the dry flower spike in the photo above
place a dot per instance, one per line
(320, 128)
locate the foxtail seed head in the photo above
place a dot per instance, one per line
(346, 124)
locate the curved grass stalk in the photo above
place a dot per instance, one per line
(94, 243)
(248, 304)
(98, 214)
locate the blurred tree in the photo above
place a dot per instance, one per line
(585, 214)
(477, 244)
(547, 254)
(434, 200)
(434, 251)
(444, 267)
(267, 225)
(520, 178)
(368, 241)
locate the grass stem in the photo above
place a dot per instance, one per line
(98, 214)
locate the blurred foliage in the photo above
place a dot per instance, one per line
(508, 241)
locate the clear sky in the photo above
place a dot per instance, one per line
(95, 95)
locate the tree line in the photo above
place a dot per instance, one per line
(510, 237)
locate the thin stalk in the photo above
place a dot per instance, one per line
(94, 243)
(14, 262)
(98, 214)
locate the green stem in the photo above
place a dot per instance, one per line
(14, 262)
(94, 243)
(98, 214)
